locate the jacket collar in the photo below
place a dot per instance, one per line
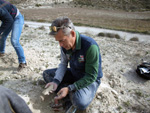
(78, 41)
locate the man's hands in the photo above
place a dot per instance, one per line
(54, 86)
(62, 93)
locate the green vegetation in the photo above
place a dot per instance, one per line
(36, 70)
(127, 103)
(134, 39)
(34, 83)
(1, 81)
(138, 93)
(146, 53)
(38, 5)
(110, 35)
(41, 20)
(119, 108)
(1, 73)
(28, 103)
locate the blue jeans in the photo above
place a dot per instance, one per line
(80, 98)
(16, 28)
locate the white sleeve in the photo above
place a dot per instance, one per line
(59, 74)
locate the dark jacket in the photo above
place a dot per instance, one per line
(7, 15)
(85, 61)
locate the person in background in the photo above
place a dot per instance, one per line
(10, 102)
(11, 20)
(82, 78)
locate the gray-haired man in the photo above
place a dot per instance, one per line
(82, 79)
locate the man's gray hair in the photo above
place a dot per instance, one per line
(63, 23)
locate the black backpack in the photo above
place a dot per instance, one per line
(143, 70)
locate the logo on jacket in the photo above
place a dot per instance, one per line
(81, 58)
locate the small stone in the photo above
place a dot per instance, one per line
(46, 91)
(42, 68)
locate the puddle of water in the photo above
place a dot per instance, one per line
(95, 31)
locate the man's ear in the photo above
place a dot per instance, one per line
(73, 33)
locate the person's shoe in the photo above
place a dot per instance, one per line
(83, 111)
(21, 66)
(67, 105)
(71, 109)
(2, 54)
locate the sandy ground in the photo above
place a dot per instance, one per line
(121, 90)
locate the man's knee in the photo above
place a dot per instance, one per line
(44, 73)
(81, 104)
(45, 76)
(48, 75)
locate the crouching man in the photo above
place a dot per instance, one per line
(82, 79)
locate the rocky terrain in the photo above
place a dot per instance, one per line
(121, 90)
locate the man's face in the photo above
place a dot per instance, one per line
(67, 42)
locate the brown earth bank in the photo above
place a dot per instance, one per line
(109, 19)
(127, 5)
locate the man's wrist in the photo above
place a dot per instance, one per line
(56, 81)
(71, 88)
